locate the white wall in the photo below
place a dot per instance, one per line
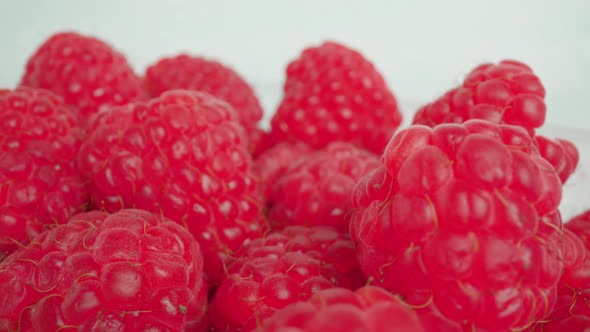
(422, 47)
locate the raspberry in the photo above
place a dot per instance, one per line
(128, 271)
(317, 190)
(369, 309)
(39, 183)
(258, 141)
(462, 221)
(332, 93)
(209, 76)
(580, 225)
(182, 154)
(571, 312)
(282, 268)
(85, 71)
(508, 92)
(271, 164)
(560, 153)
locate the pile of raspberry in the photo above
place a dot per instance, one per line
(158, 201)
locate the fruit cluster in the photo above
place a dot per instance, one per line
(161, 203)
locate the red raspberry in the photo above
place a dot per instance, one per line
(562, 154)
(580, 225)
(39, 183)
(462, 220)
(369, 309)
(258, 141)
(332, 93)
(508, 92)
(182, 154)
(317, 190)
(200, 74)
(571, 312)
(128, 271)
(85, 71)
(282, 268)
(271, 164)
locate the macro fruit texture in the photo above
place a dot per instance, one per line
(580, 225)
(571, 312)
(39, 183)
(87, 72)
(183, 155)
(333, 93)
(317, 190)
(282, 268)
(505, 93)
(461, 220)
(369, 309)
(508, 92)
(127, 271)
(200, 74)
(562, 154)
(271, 165)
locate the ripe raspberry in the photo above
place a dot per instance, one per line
(258, 141)
(39, 183)
(128, 271)
(560, 153)
(85, 71)
(508, 92)
(200, 74)
(317, 190)
(571, 312)
(182, 154)
(271, 164)
(369, 309)
(332, 93)
(282, 268)
(580, 225)
(462, 220)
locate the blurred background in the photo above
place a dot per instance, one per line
(423, 47)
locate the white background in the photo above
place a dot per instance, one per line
(422, 47)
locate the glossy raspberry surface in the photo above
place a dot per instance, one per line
(562, 154)
(507, 92)
(318, 189)
(580, 225)
(272, 164)
(184, 155)
(369, 309)
(282, 268)
(39, 183)
(127, 271)
(87, 72)
(571, 312)
(333, 93)
(200, 74)
(461, 220)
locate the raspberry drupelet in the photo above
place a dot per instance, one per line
(272, 164)
(282, 268)
(127, 271)
(210, 76)
(369, 309)
(87, 72)
(571, 312)
(183, 155)
(318, 189)
(461, 220)
(333, 93)
(39, 183)
(507, 92)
